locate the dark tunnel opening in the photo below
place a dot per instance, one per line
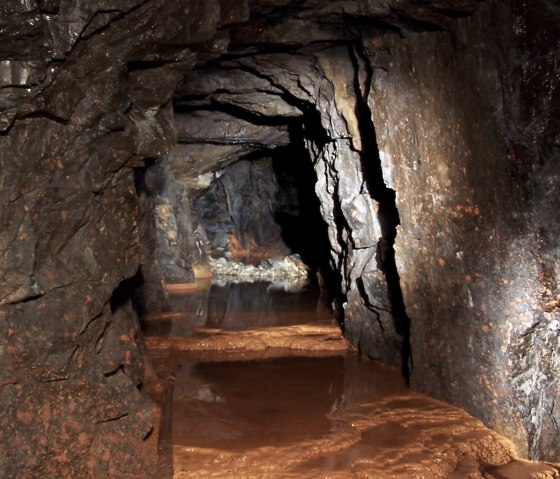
(303, 228)
(261, 201)
(276, 210)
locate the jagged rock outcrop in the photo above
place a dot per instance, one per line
(431, 126)
(324, 83)
(84, 102)
(455, 135)
(238, 212)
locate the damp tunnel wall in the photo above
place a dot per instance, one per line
(466, 252)
(461, 100)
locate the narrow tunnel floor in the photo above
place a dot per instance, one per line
(266, 387)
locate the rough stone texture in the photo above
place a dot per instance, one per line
(175, 243)
(474, 252)
(464, 115)
(209, 141)
(539, 348)
(71, 370)
(289, 268)
(539, 140)
(238, 212)
(236, 90)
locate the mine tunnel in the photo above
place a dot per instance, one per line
(275, 238)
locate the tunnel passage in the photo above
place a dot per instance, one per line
(269, 170)
(264, 206)
(462, 98)
(381, 176)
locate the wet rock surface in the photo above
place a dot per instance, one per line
(431, 126)
(238, 213)
(289, 268)
(466, 247)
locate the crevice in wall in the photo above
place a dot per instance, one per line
(181, 107)
(303, 230)
(122, 293)
(388, 214)
(316, 138)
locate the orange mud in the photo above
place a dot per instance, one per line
(313, 337)
(179, 288)
(294, 401)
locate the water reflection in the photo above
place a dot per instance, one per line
(242, 405)
(335, 417)
(237, 306)
(251, 401)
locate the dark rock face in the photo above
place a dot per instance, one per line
(238, 212)
(82, 106)
(454, 136)
(212, 140)
(431, 127)
(538, 145)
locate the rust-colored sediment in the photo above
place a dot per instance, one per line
(181, 288)
(306, 337)
(347, 418)
(166, 316)
(520, 469)
(159, 385)
(295, 401)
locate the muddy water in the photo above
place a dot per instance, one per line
(307, 406)
(238, 306)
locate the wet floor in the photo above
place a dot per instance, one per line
(238, 306)
(266, 387)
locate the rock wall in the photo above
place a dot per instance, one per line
(175, 243)
(538, 141)
(460, 150)
(238, 212)
(85, 100)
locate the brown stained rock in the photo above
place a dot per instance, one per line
(448, 125)
(71, 428)
(72, 371)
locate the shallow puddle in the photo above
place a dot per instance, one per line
(237, 406)
(266, 387)
(340, 416)
(238, 306)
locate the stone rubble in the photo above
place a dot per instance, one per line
(290, 268)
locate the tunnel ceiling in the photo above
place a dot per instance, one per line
(432, 130)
